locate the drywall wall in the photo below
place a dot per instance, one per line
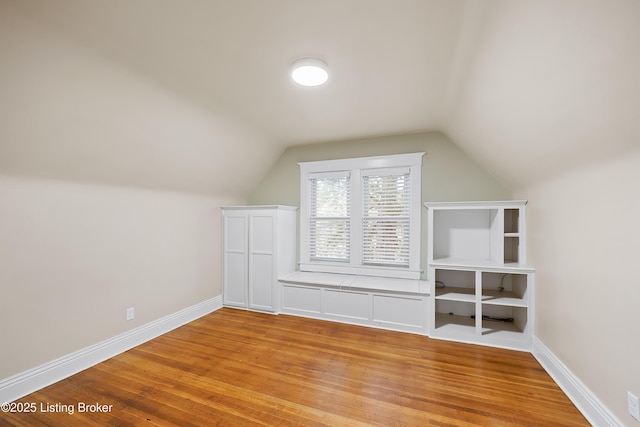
(447, 173)
(584, 240)
(74, 257)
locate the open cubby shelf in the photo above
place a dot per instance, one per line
(502, 298)
(456, 294)
(478, 272)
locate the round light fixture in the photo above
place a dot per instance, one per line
(310, 72)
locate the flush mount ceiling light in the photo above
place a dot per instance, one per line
(310, 72)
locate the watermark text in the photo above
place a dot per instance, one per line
(57, 407)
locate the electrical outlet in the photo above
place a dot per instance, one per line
(130, 313)
(634, 406)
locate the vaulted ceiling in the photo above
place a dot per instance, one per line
(528, 88)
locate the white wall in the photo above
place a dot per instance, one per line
(73, 257)
(584, 241)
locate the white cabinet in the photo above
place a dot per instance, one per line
(380, 302)
(482, 290)
(259, 245)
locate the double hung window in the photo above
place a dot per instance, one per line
(362, 216)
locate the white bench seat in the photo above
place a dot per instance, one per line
(383, 302)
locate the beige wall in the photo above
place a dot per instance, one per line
(447, 173)
(584, 240)
(74, 257)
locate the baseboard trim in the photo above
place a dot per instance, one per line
(34, 379)
(591, 407)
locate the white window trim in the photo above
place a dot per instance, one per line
(356, 167)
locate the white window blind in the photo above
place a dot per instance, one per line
(386, 218)
(329, 217)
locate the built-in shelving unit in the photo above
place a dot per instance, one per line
(482, 288)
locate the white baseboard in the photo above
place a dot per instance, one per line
(591, 407)
(34, 379)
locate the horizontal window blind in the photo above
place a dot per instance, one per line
(329, 219)
(385, 219)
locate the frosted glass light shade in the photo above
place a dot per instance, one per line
(310, 72)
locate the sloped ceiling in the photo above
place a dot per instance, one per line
(526, 87)
(545, 86)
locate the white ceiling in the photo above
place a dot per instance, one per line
(526, 87)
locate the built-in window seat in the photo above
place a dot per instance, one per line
(388, 303)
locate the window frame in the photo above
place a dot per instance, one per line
(356, 168)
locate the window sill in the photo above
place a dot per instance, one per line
(369, 270)
(354, 282)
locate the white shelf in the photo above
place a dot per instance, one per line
(488, 297)
(456, 294)
(505, 335)
(496, 327)
(488, 265)
(459, 327)
(480, 204)
(502, 298)
(463, 329)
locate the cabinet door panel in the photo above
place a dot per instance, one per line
(261, 281)
(303, 299)
(346, 304)
(235, 279)
(262, 233)
(399, 311)
(235, 260)
(235, 233)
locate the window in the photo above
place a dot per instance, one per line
(329, 220)
(361, 216)
(385, 218)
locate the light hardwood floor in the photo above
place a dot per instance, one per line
(239, 368)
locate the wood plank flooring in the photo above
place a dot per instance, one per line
(239, 368)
